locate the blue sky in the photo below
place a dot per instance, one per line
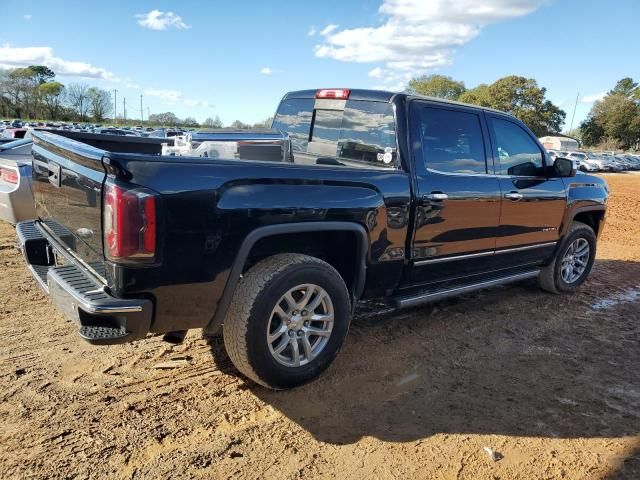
(236, 59)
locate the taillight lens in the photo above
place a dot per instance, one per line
(9, 175)
(129, 224)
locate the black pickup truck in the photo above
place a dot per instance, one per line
(384, 196)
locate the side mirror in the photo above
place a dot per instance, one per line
(564, 167)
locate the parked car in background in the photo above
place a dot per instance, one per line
(12, 133)
(588, 165)
(16, 199)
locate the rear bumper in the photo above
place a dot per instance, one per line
(101, 318)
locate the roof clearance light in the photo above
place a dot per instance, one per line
(337, 93)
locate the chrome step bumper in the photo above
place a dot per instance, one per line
(101, 318)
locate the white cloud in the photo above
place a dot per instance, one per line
(376, 73)
(174, 97)
(593, 98)
(312, 31)
(14, 57)
(135, 86)
(266, 71)
(159, 20)
(27, 16)
(328, 29)
(417, 36)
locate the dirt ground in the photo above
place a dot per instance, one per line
(549, 383)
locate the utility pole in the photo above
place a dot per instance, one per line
(574, 113)
(115, 106)
(124, 108)
(141, 115)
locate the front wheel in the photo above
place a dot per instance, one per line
(573, 261)
(288, 319)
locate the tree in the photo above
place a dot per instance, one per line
(78, 97)
(212, 122)
(239, 125)
(100, 104)
(20, 91)
(166, 119)
(481, 95)
(436, 86)
(266, 123)
(190, 122)
(41, 74)
(615, 120)
(626, 87)
(53, 95)
(521, 97)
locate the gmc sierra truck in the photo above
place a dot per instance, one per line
(381, 196)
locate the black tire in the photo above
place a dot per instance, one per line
(246, 322)
(550, 278)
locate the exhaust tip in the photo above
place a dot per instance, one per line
(175, 338)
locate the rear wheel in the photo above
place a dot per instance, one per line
(288, 319)
(573, 261)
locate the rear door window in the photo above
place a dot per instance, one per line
(451, 141)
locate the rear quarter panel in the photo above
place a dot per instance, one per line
(209, 207)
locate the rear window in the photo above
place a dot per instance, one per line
(357, 133)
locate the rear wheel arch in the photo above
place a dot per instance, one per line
(244, 258)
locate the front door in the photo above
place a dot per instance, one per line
(457, 209)
(533, 205)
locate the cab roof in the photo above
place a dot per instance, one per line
(387, 96)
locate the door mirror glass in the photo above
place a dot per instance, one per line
(564, 167)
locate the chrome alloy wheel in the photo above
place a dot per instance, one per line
(575, 260)
(300, 325)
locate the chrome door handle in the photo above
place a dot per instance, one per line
(515, 196)
(438, 196)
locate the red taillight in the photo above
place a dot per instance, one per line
(9, 175)
(129, 224)
(337, 93)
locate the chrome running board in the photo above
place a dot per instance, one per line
(434, 295)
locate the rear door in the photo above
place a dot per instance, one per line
(458, 196)
(67, 188)
(533, 205)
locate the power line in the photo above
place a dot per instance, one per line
(574, 112)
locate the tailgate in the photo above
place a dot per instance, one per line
(67, 188)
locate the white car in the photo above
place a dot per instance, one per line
(589, 165)
(16, 199)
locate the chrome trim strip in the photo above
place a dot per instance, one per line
(442, 294)
(482, 254)
(527, 247)
(457, 257)
(486, 175)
